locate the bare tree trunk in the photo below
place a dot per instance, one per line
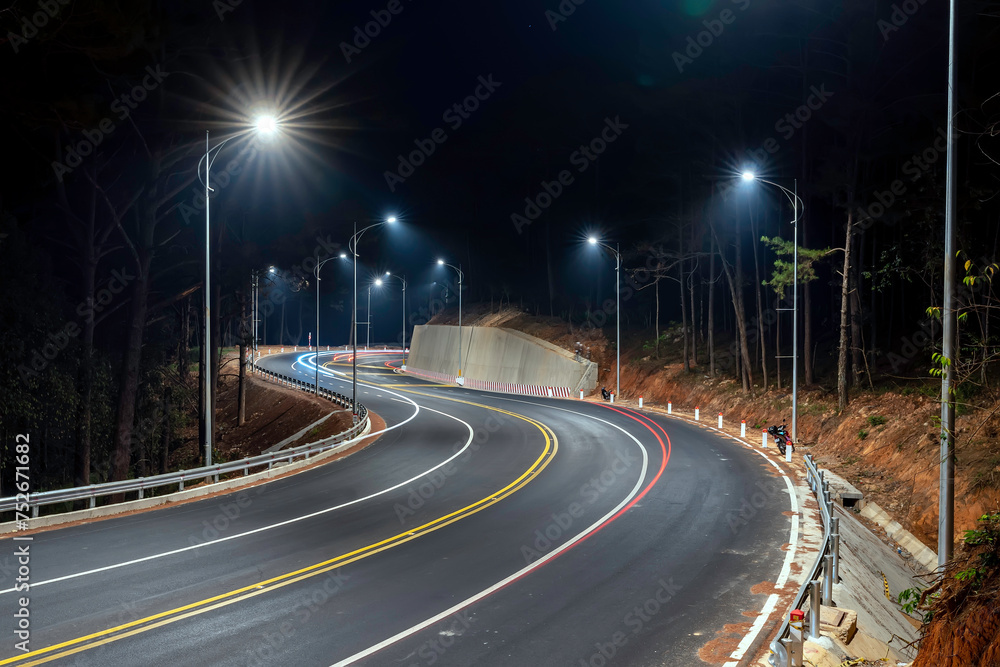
(81, 467)
(245, 342)
(711, 308)
(216, 352)
(734, 278)
(807, 329)
(694, 321)
(760, 307)
(165, 444)
(684, 320)
(184, 344)
(128, 390)
(656, 320)
(855, 304)
(842, 398)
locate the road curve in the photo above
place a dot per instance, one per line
(480, 528)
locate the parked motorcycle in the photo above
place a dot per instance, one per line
(781, 438)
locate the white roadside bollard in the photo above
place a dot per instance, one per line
(612, 398)
(788, 453)
(743, 428)
(296, 348)
(670, 408)
(763, 439)
(720, 420)
(696, 413)
(640, 402)
(581, 394)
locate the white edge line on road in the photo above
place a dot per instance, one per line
(280, 523)
(523, 571)
(786, 568)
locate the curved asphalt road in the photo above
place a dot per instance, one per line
(481, 529)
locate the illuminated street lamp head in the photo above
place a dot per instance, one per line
(378, 282)
(391, 219)
(748, 176)
(441, 262)
(388, 273)
(343, 255)
(592, 240)
(266, 125)
(272, 270)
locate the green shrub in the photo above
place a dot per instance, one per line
(876, 420)
(862, 434)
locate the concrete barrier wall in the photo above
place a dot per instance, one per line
(499, 355)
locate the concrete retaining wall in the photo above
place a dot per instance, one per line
(495, 354)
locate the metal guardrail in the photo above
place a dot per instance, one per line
(142, 484)
(816, 590)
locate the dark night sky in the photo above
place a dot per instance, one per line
(606, 60)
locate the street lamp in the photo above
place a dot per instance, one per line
(368, 339)
(353, 247)
(265, 125)
(593, 240)
(316, 271)
(255, 307)
(461, 276)
(797, 206)
(402, 279)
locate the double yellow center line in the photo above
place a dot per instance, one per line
(118, 632)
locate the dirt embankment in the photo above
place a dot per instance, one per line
(273, 413)
(886, 443)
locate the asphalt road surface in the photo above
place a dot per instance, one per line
(479, 529)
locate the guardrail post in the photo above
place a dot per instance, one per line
(828, 580)
(835, 546)
(182, 483)
(814, 610)
(93, 502)
(140, 493)
(34, 511)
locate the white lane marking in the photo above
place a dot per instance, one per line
(279, 524)
(786, 567)
(523, 571)
(758, 625)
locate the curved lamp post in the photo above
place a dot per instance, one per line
(316, 271)
(353, 247)
(264, 125)
(402, 279)
(593, 240)
(461, 277)
(368, 337)
(797, 206)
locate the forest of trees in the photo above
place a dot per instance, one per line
(102, 240)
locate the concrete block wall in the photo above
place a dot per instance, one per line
(499, 355)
